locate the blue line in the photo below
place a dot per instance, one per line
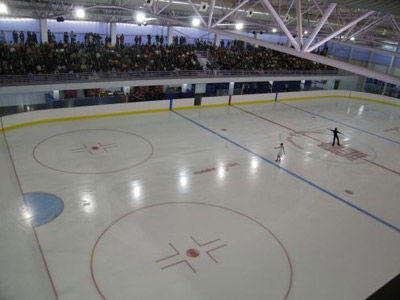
(170, 103)
(363, 211)
(323, 117)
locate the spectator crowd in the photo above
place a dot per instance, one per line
(95, 54)
(238, 56)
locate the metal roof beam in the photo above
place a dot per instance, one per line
(320, 24)
(197, 13)
(369, 26)
(336, 33)
(230, 13)
(278, 20)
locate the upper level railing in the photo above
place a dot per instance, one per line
(36, 79)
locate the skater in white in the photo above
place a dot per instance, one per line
(280, 153)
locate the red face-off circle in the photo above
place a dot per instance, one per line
(192, 252)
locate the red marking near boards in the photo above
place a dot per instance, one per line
(224, 129)
(349, 192)
(345, 152)
(225, 167)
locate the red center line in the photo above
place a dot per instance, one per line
(276, 123)
(263, 118)
(383, 167)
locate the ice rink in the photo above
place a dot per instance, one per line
(190, 204)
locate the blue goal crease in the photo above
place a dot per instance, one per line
(359, 209)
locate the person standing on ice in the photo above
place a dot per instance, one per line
(335, 136)
(280, 153)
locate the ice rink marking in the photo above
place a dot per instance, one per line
(361, 210)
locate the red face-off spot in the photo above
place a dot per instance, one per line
(349, 192)
(224, 129)
(192, 252)
(95, 148)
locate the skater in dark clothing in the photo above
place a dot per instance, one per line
(335, 136)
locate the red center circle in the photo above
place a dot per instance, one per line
(192, 252)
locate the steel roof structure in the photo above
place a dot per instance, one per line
(307, 24)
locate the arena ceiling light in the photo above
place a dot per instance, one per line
(140, 17)
(239, 26)
(3, 9)
(274, 30)
(305, 32)
(352, 38)
(80, 13)
(196, 22)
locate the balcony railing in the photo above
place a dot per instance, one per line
(37, 79)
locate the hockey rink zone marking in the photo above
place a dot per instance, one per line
(88, 144)
(303, 133)
(196, 255)
(225, 167)
(361, 210)
(342, 123)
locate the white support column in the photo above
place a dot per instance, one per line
(336, 33)
(370, 55)
(230, 13)
(210, 15)
(113, 33)
(299, 23)
(278, 20)
(231, 88)
(56, 95)
(350, 54)
(256, 36)
(217, 40)
(43, 31)
(184, 87)
(390, 66)
(388, 71)
(320, 24)
(126, 90)
(334, 50)
(170, 35)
